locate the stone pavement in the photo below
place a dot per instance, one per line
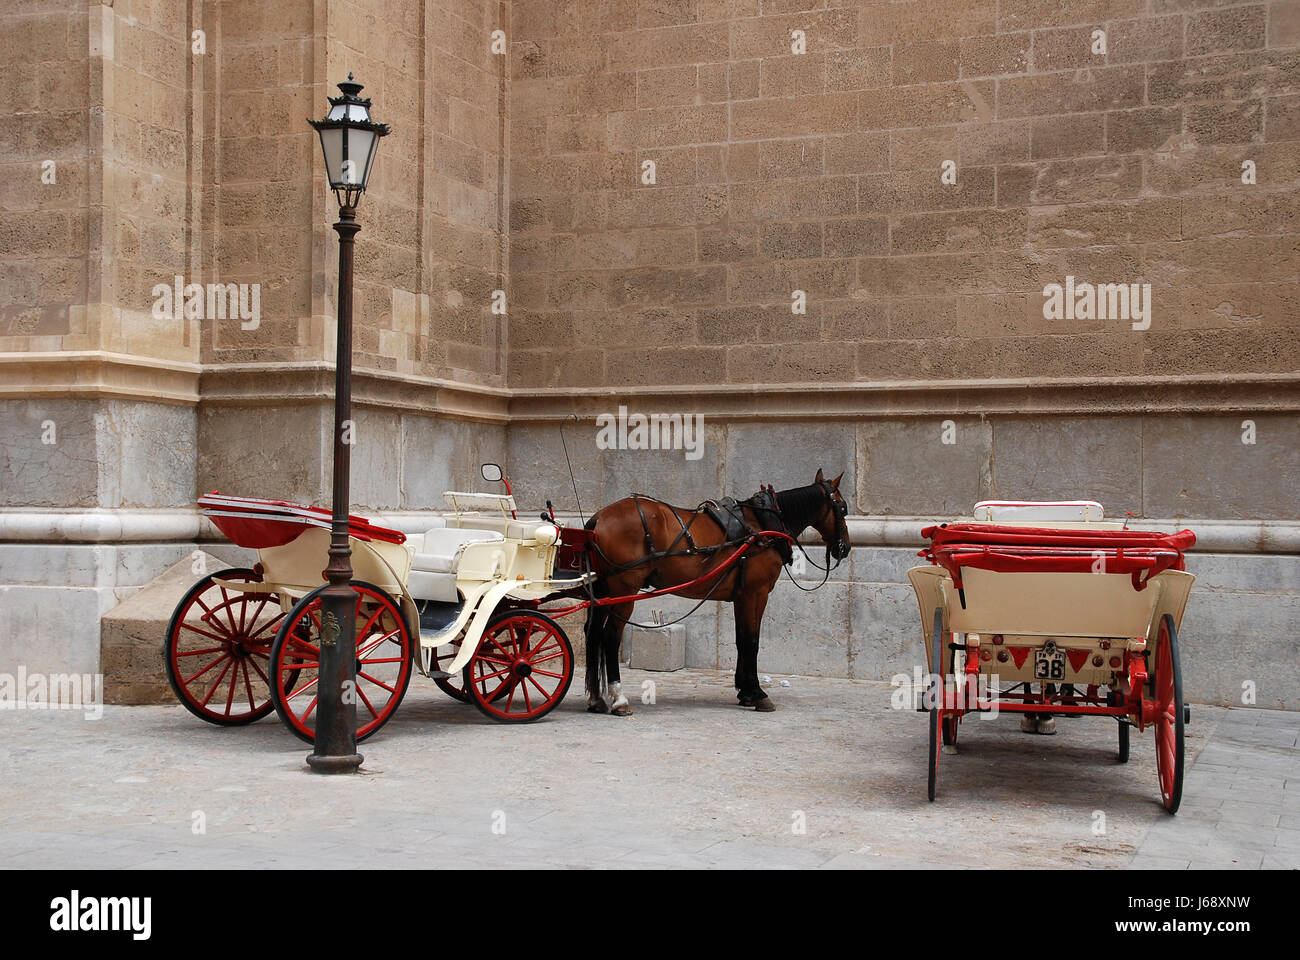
(689, 781)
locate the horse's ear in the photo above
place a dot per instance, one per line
(835, 484)
(819, 478)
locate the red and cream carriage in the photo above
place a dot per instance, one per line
(457, 602)
(1066, 612)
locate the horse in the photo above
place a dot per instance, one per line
(645, 543)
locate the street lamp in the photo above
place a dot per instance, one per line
(349, 140)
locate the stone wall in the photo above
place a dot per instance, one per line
(821, 172)
(774, 171)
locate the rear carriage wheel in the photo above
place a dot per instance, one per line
(936, 679)
(217, 651)
(1169, 715)
(522, 668)
(454, 685)
(383, 664)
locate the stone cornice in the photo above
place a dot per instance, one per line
(98, 374)
(1251, 393)
(268, 384)
(103, 374)
(187, 525)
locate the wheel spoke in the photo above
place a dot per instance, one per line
(264, 677)
(378, 683)
(248, 685)
(303, 689)
(234, 677)
(210, 636)
(199, 653)
(494, 674)
(217, 682)
(310, 707)
(191, 679)
(225, 605)
(546, 694)
(366, 700)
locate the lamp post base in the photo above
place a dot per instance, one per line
(344, 764)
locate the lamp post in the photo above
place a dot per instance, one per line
(349, 140)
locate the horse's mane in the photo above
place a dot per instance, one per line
(801, 504)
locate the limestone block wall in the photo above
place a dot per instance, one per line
(802, 145)
(180, 148)
(921, 171)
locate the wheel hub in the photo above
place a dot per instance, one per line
(521, 669)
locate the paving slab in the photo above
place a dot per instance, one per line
(834, 778)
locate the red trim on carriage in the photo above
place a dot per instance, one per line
(258, 524)
(1006, 549)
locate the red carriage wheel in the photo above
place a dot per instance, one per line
(1169, 715)
(522, 668)
(383, 665)
(936, 680)
(217, 651)
(453, 686)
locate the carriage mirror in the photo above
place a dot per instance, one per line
(491, 472)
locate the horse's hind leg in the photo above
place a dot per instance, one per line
(614, 623)
(596, 673)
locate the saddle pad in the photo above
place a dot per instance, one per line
(727, 514)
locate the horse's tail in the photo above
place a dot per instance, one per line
(596, 681)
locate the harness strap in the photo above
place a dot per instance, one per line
(649, 541)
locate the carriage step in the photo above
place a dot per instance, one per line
(439, 675)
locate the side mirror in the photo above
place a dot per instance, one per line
(491, 472)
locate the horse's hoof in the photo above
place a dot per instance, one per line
(600, 706)
(1034, 723)
(765, 706)
(622, 711)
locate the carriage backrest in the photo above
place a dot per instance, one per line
(1045, 512)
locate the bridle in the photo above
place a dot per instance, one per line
(839, 546)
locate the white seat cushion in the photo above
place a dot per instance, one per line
(442, 547)
(1046, 511)
(514, 529)
(433, 569)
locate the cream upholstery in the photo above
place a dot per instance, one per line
(433, 569)
(506, 526)
(1047, 512)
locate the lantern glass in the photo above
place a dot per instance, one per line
(349, 140)
(360, 147)
(331, 144)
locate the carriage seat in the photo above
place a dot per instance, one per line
(506, 526)
(1045, 512)
(433, 568)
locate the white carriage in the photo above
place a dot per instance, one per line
(458, 603)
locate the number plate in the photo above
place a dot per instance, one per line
(1049, 663)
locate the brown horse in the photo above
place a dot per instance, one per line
(642, 543)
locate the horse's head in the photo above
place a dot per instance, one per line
(832, 522)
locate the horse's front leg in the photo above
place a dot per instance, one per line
(749, 620)
(618, 703)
